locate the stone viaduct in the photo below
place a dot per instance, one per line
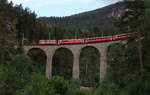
(76, 50)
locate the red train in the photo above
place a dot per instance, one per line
(88, 40)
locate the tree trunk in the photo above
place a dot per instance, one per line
(140, 50)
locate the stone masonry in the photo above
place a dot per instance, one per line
(76, 50)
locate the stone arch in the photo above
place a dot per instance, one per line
(90, 66)
(92, 46)
(65, 66)
(39, 58)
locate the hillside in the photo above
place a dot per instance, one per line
(128, 64)
(96, 17)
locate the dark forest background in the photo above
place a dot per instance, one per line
(128, 64)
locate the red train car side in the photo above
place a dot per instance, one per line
(89, 40)
(51, 42)
(98, 39)
(71, 41)
(120, 37)
(132, 35)
(42, 42)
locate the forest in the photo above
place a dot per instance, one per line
(88, 24)
(129, 64)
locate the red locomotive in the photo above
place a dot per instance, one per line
(88, 40)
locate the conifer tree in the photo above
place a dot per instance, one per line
(133, 17)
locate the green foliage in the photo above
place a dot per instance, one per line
(107, 89)
(21, 63)
(14, 74)
(17, 75)
(60, 85)
(123, 76)
(116, 60)
(6, 54)
(16, 23)
(37, 85)
(63, 63)
(75, 91)
(38, 58)
(147, 3)
(140, 86)
(18, 80)
(2, 79)
(89, 67)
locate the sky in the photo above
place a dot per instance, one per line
(62, 8)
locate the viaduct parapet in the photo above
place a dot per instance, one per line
(76, 50)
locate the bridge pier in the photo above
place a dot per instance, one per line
(103, 63)
(49, 67)
(76, 64)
